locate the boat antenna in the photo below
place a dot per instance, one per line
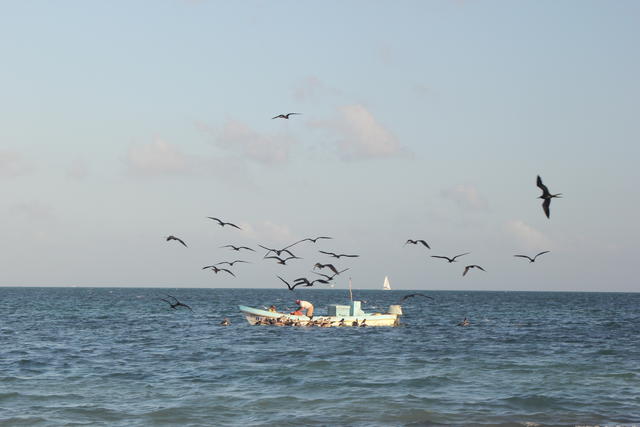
(350, 293)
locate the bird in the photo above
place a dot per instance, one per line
(222, 223)
(329, 266)
(177, 239)
(308, 239)
(225, 322)
(330, 277)
(217, 270)
(230, 263)
(468, 267)
(276, 251)
(237, 248)
(338, 255)
(284, 116)
(290, 286)
(450, 259)
(280, 260)
(534, 258)
(546, 196)
(414, 242)
(306, 281)
(413, 295)
(465, 322)
(176, 303)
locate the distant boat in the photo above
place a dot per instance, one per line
(386, 286)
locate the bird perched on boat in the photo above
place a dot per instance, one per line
(278, 252)
(280, 260)
(290, 286)
(217, 270)
(338, 255)
(450, 259)
(230, 263)
(176, 303)
(415, 242)
(225, 322)
(169, 238)
(237, 248)
(329, 266)
(468, 267)
(546, 196)
(222, 223)
(534, 258)
(284, 116)
(413, 295)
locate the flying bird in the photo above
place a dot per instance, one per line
(276, 251)
(414, 242)
(329, 266)
(413, 295)
(217, 270)
(176, 303)
(230, 263)
(284, 116)
(330, 277)
(222, 223)
(450, 259)
(306, 281)
(290, 286)
(468, 267)
(237, 248)
(308, 239)
(338, 255)
(534, 258)
(280, 260)
(177, 239)
(546, 196)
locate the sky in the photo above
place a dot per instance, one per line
(124, 122)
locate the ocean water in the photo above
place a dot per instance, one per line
(122, 357)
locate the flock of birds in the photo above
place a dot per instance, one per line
(283, 255)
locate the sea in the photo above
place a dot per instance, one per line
(74, 356)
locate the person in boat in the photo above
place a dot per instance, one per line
(305, 306)
(272, 309)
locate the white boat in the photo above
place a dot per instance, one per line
(386, 286)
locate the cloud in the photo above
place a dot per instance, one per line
(12, 164)
(527, 236)
(311, 88)
(359, 135)
(465, 196)
(156, 158)
(239, 138)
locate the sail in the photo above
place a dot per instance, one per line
(386, 286)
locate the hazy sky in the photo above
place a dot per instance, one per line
(122, 122)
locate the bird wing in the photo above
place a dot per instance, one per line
(233, 225)
(185, 305)
(247, 248)
(466, 253)
(477, 266)
(331, 267)
(228, 271)
(216, 219)
(274, 257)
(413, 242)
(541, 253)
(328, 253)
(439, 256)
(425, 243)
(466, 269)
(545, 207)
(348, 256)
(211, 266)
(524, 256)
(545, 190)
(278, 116)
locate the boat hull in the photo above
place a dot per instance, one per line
(257, 316)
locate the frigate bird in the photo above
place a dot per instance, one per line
(329, 266)
(237, 248)
(281, 260)
(332, 276)
(230, 263)
(308, 239)
(176, 239)
(222, 223)
(468, 267)
(534, 258)
(217, 270)
(338, 255)
(278, 252)
(413, 295)
(176, 303)
(450, 259)
(284, 116)
(290, 286)
(414, 242)
(546, 196)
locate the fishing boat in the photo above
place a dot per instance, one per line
(386, 286)
(337, 315)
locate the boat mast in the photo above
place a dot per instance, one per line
(350, 293)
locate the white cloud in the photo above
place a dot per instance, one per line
(466, 196)
(527, 236)
(239, 138)
(359, 134)
(156, 158)
(12, 164)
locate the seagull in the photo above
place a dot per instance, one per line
(308, 239)
(468, 267)
(546, 195)
(230, 263)
(338, 255)
(450, 259)
(277, 251)
(280, 260)
(413, 242)
(329, 266)
(237, 248)
(175, 238)
(534, 258)
(413, 295)
(291, 287)
(176, 303)
(217, 270)
(284, 116)
(222, 223)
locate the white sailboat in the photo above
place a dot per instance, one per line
(386, 286)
